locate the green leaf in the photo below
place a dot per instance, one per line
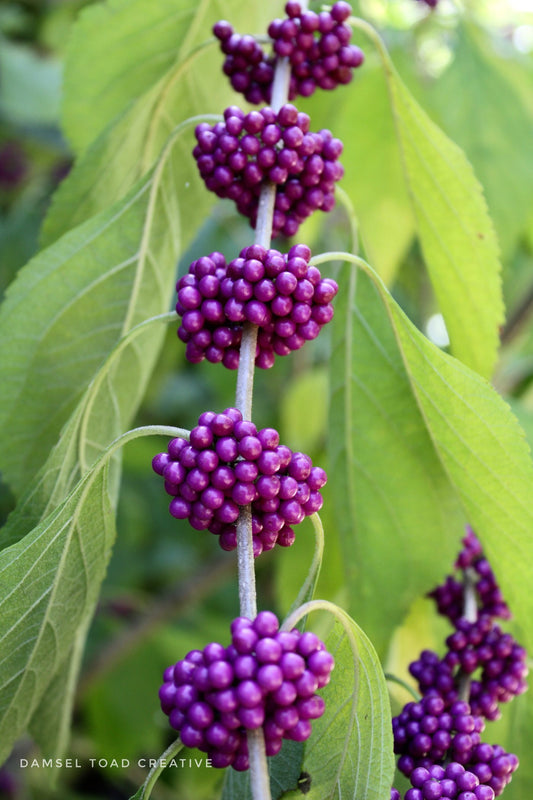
(474, 87)
(373, 176)
(417, 441)
(117, 51)
(395, 506)
(86, 292)
(284, 770)
(350, 753)
(453, 225)
(50, 582)
(307, 390)
(127, 147)
(50, 723)
(49, 585)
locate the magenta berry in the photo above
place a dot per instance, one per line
(214, 696)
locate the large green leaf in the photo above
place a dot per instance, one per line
(50, 582)
(127, 140)
(349, 755)
(474, 87)
(361, 116)
(85, 292)
(419, 443)
(49, 586)
(395, 504)
(116, 52)
(453, 225)
(49, 725)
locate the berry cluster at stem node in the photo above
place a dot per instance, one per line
(438, 739)
(229, 464)
(449, 595)
(238, 157)
(317, 47)
(266, 678)
(286, 298)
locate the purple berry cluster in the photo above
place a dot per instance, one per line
(286, 298)
(238, 156)
(428, 730)
(438, 739)
(478, 647)
(266, 679)
(317, 46)
(250, 70)
(452, 780)
(449, 596)
(229, 464)
(495, 663)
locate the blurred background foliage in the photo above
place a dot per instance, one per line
(471, 69)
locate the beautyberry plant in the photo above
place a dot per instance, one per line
(269, 115)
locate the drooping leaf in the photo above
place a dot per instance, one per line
(476, 87)
(419, 444)
(50, 582)
(349, 755)
(373, 176)
(49, 585)
(453, 226)
(85, 292)
(395, 507)
(127, 139)
(116, 52)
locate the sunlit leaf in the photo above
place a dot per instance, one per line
(361, 116)
(419, 444)
(122, 148)
(455, 231)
